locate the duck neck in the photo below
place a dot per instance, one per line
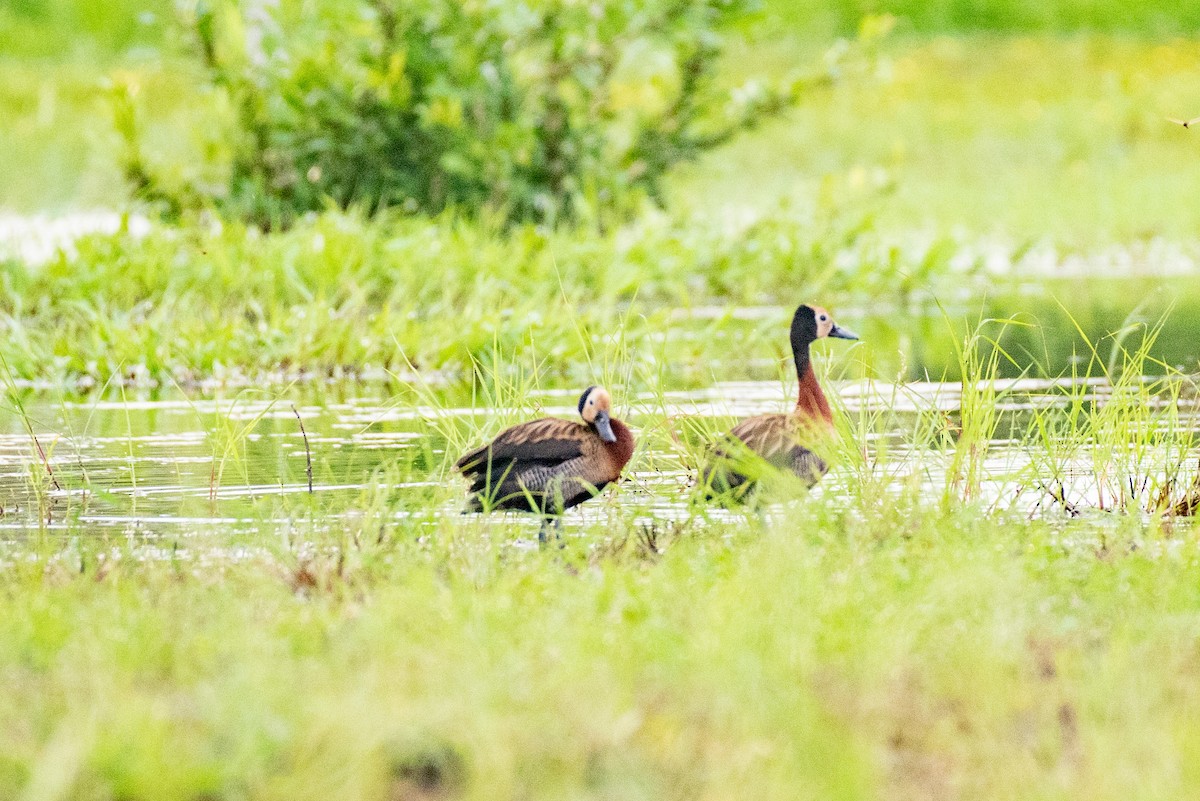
(810, 399)
(622, 449)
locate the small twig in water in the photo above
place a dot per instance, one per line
(28, 424)
(1061, 498)
(45, 461)
(307, 451)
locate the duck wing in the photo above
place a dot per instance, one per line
(736, 459)
(771, 436)
(526, 457)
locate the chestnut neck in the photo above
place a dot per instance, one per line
(810, 399)
(621, 450)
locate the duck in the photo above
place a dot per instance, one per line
(550, 465)
(734, 464)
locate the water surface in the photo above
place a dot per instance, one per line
(176, 465)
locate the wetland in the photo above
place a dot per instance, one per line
(233, 563)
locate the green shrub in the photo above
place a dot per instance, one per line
(540, 111)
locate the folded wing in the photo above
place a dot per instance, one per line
(527, 463)
(737, 461)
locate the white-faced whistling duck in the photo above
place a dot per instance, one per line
(547, 466)
(778, 439)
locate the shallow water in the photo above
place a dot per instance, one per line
(173, 462)
(180, 466)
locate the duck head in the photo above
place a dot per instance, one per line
(595, 409)
(812, 323)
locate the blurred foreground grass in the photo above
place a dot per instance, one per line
(846, 650)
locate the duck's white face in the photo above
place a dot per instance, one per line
(596, 402)
(594, 411)
(824, 321)
(826, 327)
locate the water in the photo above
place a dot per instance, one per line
(176, 466)
(183, 462)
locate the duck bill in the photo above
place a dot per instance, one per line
(604, 427)
(837, 332)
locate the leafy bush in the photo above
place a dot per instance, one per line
(536, 111)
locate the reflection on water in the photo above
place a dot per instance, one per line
(173, 462)
(176, 465)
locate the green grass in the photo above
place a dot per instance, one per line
(107, 30)
(898, 634)
(1148, 19)
(826, 657)
(81, 31)
(344, 296)
(351, 295)
(881, 638)
(56, 128)
(1026, 139)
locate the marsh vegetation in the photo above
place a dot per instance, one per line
(232, 559)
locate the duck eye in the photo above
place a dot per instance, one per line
(824, 317)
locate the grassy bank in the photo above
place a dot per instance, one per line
(848, 649)
(679, 304)
(1048, 138)
(110, 30)
(1149, 19)
(351, 295)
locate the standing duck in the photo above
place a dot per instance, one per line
(735, 462)
(547, 466)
